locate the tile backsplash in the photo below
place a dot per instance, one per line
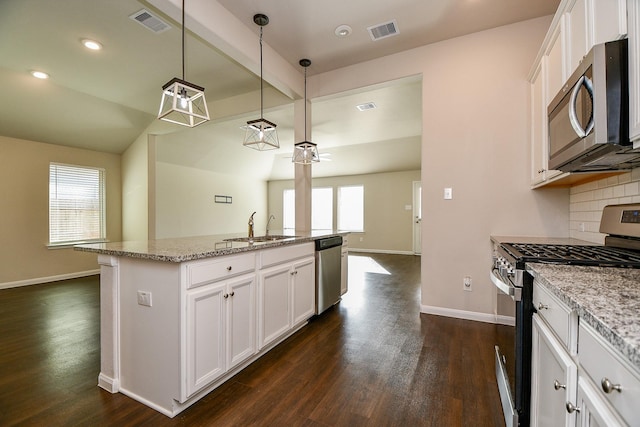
(586, 202)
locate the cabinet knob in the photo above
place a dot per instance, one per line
(558, 386)
(232, 293)
(225, 296)
(229, 268)
(571, 408)
(541, 170)
(542, 306)
(608, 386)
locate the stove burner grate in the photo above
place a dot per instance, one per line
(604, 256)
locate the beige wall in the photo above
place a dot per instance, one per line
(24, 217)
(388, 225)
(135, 186)
(588, 200)
(475, 140)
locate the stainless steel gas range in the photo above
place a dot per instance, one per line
(621, 224)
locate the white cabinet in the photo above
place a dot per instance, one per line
(634, 69)
(344, 267)
(591, 409)
(286, 292)
(220, 329)
(553, 378)
(555, 70)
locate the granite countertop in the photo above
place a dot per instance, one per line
(191, 248)
(608, 299)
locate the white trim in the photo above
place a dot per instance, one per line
(381, 251)
(468, 315)
(40, 280)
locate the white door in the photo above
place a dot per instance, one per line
(417, 217)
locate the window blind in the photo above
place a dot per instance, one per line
(76, 204)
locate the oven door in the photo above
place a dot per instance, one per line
(513, 359)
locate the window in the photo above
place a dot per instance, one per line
(76, 204)
(351, 208)
(321, 209)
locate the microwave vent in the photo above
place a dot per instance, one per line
(150, 21)
(382, 31)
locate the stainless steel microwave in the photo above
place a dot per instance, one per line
(588, 120)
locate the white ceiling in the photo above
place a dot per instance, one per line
(104, 100)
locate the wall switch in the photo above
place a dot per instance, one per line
(582, 226)
(448, 193)
(144, 298)
(467, 283)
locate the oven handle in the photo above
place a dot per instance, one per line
(512, 291)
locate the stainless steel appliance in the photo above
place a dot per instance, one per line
(328, 267)
(621, 223)
(589, 119)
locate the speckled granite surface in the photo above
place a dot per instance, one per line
(608, 299)
(191, 248)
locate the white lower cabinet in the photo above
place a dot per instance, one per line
(220, 329)
(553, 378)
(344, 267)
(286, 298)
(591, 408)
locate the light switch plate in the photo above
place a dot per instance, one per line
(448, 193)
(144, 298)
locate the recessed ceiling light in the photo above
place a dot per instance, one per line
(91, 44)
(39, 74)
(343, 31)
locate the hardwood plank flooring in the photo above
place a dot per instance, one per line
(372, 360)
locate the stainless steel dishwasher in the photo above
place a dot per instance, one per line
(328, 265)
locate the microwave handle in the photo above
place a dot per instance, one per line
(573, 117)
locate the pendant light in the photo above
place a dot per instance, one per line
(261, 133)
(305, 152)
(182, 102)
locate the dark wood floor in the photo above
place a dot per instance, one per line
(372, 360)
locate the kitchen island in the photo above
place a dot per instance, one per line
(181, 316)
(586, 345)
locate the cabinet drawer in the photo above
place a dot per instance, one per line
(202, 272)
(282, 254)
(556, 314)
(599, 361)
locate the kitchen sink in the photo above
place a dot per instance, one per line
(269, 238)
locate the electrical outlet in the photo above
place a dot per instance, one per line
(466, 282)
(448, 193)
(144, 298)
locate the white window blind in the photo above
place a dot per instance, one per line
(76, 204)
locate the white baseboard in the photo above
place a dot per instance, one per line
(40, 280)
(468, 315)
(381, 251)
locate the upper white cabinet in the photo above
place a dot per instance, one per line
(577, 26)
(634, 69)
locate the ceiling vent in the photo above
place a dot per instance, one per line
(366, 106)
(382, 31)
(150, 21)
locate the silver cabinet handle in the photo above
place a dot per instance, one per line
(558, 386)
(608, 386)
(229, 268)
(225, 296)
(542, 306)
(571, 408)
(232, 293)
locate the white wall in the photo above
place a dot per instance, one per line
(135, 186)
(588, 200)
(475, 140)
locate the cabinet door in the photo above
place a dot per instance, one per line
(205, 330)
(555, 70)
(274, 304)
(634, 69)
(553, 379)
(303, 290)
(593, 411)
(609, 20)
(577, 33)
(344, 271)
(538, 128)
(241, 308)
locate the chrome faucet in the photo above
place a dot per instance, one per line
(269, 222)
(251, 226)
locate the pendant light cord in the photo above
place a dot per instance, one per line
(183, 39)
(261, 95)
(305, 103)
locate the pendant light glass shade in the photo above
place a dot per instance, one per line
(261, 134)
(305, 152)
(182, 102)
